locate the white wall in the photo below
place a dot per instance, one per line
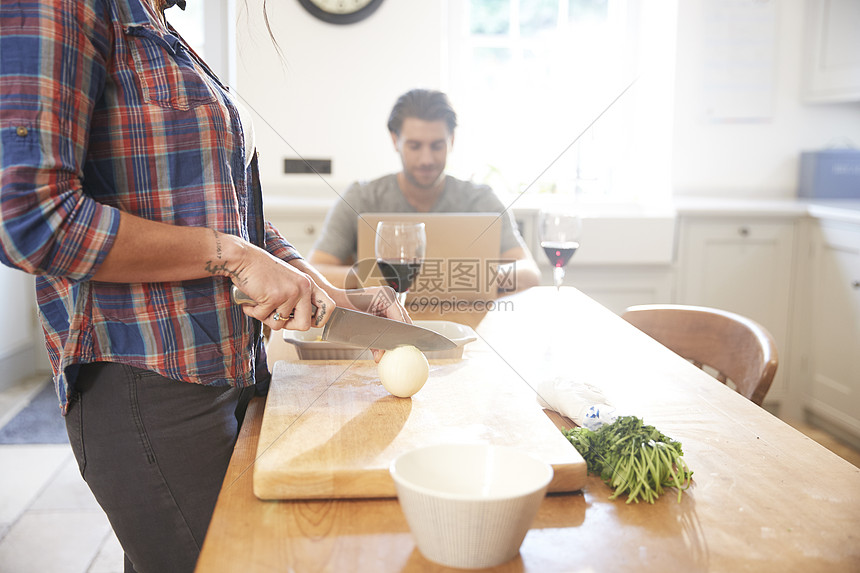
(750, 159)
(332, 96)
(332, 99)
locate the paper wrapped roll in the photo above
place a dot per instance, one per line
(581, 402)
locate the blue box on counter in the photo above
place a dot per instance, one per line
(830, 174)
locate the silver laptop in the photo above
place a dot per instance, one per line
(462, 258)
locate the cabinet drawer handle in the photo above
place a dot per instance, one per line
(856, 284)
(310, 230)
(744, 231)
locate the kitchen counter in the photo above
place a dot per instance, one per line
(847, 210)
(842, 209)
(764, 497)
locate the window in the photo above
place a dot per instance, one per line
(527, 77)
(205, 26)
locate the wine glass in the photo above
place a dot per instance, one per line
(400, 248)
(560, 229)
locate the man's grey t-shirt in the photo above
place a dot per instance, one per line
(340, 232)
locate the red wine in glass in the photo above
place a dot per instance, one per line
(560, 228)
(559, 253)
(400, 250)
(399, 274)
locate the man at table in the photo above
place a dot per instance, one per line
(421, 125)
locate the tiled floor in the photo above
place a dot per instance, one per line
(49, 520)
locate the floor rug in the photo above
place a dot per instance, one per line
(39, 422)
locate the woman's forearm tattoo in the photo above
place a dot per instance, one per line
(221, 269)
(217, 244)
(218, 267)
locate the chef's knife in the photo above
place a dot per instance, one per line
(364, 330)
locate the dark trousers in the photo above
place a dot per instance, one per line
(154, 452)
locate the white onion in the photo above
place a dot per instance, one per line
(403, 371)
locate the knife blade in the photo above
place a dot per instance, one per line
(362, 330)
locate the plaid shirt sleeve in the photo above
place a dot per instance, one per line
(103, 109)
(52, 68)
(278, 246)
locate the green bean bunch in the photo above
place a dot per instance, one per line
(633, 458)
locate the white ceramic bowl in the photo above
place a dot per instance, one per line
(310, 347)
(469, 505)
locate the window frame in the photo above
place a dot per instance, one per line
(219, 35)
(641, 150)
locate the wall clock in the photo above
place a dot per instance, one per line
(341, 11)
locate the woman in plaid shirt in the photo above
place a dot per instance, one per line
(130, 188)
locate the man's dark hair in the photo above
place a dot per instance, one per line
(428, 105)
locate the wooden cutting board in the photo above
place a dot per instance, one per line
(331, 430)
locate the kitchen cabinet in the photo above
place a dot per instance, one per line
(301, 231)
(832, 51)
(299, 221)
(22, 347)
(833, 343)
(743, 265)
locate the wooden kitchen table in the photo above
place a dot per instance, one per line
(764, 498)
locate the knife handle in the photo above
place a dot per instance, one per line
(241, 298)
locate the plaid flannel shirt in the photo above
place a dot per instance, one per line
(103, 110)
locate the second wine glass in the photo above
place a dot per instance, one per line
(400, 249)
(560, 230)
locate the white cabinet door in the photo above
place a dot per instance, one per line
(743, 266)
(301, 232)
(617, 287)
(835, 326)
(300, 223)
(832, 51)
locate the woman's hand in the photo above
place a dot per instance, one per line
(285, 296)
(378, 301)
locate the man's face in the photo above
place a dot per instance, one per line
(423, 147)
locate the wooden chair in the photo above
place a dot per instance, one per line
(738, 349)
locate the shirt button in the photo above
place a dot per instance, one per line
(22, 131)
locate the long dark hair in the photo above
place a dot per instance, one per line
(269, 29)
